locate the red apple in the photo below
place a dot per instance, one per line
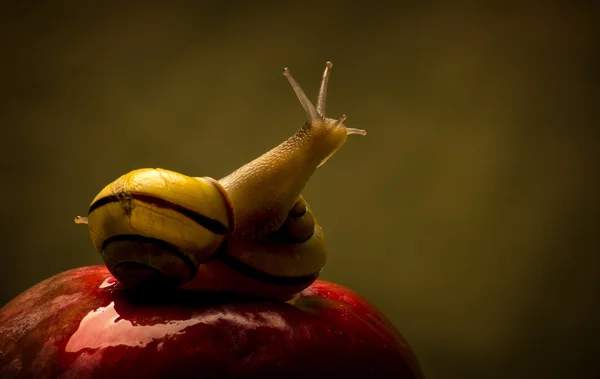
(83, 324)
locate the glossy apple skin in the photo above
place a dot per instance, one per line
(83, 324)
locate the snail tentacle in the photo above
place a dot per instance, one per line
(313, 113)
(322, 97)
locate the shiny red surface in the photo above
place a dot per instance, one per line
(82, 324)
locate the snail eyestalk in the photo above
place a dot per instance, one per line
(322, 98)
(310, 109)
(81, 220)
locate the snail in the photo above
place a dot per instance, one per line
(250, 232)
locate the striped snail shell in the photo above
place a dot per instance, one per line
(251, 232)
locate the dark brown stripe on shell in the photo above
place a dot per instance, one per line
(157, 242)
(263, 277)
(204, 221)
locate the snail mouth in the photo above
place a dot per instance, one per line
(137, 275)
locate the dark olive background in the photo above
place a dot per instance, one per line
(467, 214)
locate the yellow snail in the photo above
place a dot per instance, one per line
(251, 232)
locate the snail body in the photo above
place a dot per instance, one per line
(250, 232)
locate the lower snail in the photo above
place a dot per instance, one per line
(250, 232)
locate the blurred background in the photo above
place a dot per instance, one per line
(467, 214)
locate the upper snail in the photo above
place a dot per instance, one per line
(250, 232)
